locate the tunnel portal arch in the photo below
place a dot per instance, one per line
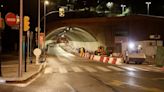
(71, 33)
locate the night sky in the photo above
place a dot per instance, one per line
(30, 9)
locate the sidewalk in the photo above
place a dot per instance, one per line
(10, 71)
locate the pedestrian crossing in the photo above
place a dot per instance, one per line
(93, 69)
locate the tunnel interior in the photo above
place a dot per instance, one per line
(71, 34)
(75, 36)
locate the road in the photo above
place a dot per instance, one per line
(68, 73)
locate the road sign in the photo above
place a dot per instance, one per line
(37, 52)
(11, 19)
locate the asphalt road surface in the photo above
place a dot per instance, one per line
(68, 73)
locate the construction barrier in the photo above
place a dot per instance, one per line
(104, 59)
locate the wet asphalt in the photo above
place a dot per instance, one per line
(68, 73)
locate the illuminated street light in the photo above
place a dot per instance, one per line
(123, 7)
(109, 4)
(148, 5)
(46, 2)
(1, 6)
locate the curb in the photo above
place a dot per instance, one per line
(42, 66)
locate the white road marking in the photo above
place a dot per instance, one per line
(128, 68)
(103, 68)
(70, 87)
(48, 70)
(119, 83)
(115, 68)
(76, 69)
(139, 68)
(89, 69)
(150, 68)
(62, 70)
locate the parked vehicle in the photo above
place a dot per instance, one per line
(134, 54)
(137, 58)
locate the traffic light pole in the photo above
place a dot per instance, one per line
(0, 54)
(20, 39)
(38, 24)
(0, 50)
(44, 45)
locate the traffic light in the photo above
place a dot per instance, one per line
(26, 23)
(61, 12)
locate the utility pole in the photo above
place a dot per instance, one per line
(38, 24)
(20, 39)
(0, 48)
(44, 45)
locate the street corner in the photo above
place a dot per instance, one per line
(33, 72)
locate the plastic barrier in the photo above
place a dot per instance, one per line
(110, 60)
(101, 58)
(91, 57)
(104, 59)
(119, 61)
(96, 58)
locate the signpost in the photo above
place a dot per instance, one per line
(0, 46)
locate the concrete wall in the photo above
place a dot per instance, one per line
(90, 46)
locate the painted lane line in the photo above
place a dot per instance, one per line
(150, 68)
(89, 69)
(70, 87)
(119, 83)
(115, 68)
(128, 68)
(62, 70)
(76, 69)
(103, 68)
(48, 70)
(142, 69)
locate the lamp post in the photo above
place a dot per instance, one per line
(148, 5)
(45, 4)
(38, 29)
(123, 7)
(20, 39)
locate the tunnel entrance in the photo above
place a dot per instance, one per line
(74, 36)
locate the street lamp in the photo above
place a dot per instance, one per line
(45, 4)
(109, 4)
(148, 4)
(123, 7)
(38, 29)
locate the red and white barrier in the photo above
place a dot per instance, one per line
(104, 59)
(96, 58)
